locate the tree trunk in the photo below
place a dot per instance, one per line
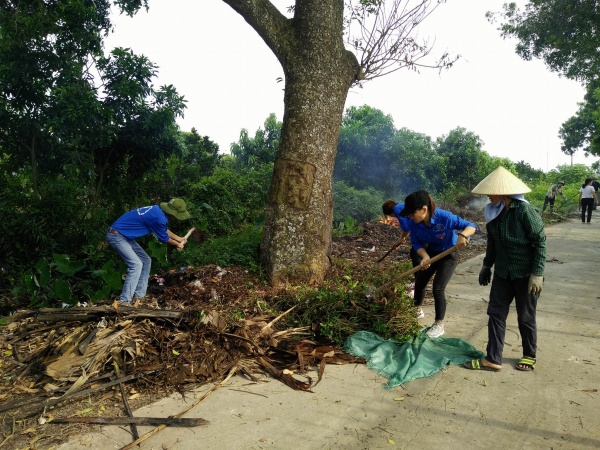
(318, 72)
(296, 239)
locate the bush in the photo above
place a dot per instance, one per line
(360, 205)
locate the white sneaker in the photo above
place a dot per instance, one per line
(436, 330)
(419, 312)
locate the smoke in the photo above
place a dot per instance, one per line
(478, 203)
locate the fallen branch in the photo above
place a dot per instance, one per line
(97, 312)
(166, 421)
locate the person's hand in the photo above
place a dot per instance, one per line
(462, 241)
(425, 262)
(180, 246)
(535, 284)
(485, 276)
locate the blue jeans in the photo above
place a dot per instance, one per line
(138, 266)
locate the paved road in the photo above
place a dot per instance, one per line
(554, 407)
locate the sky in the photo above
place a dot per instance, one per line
(232, 81)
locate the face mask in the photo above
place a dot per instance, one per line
(493, 211)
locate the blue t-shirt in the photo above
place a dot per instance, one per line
(403, 220)
(142, 221)
(440, 235)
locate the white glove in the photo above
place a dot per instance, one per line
(535, 284)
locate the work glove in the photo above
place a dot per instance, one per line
(485, 276)
(535, 284)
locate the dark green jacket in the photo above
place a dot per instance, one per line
(516, 244)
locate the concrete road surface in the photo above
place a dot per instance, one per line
(555, 407)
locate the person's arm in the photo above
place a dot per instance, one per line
(563, 195)
(463, 237)
(424, 258)
(176, 241)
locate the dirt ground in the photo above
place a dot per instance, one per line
(207, 288)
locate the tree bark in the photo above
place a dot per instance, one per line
(319, 71)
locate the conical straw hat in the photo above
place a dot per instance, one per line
(501, 182)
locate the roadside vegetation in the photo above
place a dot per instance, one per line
(54, 251)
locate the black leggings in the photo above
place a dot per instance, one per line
(587, 203)
(443, 270)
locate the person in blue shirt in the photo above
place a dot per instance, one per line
(392, 208)
(432, 231)
(124, 231)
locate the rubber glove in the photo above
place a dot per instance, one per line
(485, 276)
(535, 284)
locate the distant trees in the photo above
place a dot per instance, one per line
(564, 34)
(63, 102)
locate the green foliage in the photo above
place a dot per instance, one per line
(465, 163)
(252, 153)
(237, 249)
(527, 173)
(348, 226)
(558, 32)
(414, 164)
(343, 307)
(581, 131)
(234, 197)
(360, 161)
(360, 205)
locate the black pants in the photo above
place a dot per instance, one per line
(443, 270)
(546, 201)
(587, 204)
(502, 294)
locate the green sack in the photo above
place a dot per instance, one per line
(404, 362)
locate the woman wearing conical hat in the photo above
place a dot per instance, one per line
(516, 248)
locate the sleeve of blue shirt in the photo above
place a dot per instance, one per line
(404, 222)
(440, 235)
(157, 222)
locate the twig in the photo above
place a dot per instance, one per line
(132, 425)
(276, 319)
(201, 399)
(10, 435)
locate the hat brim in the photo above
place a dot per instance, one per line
(173, 212)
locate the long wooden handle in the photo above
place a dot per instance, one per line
(414, 270)
(187, 235)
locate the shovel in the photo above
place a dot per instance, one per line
(411, 271)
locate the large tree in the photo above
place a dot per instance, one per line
(319, 70)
